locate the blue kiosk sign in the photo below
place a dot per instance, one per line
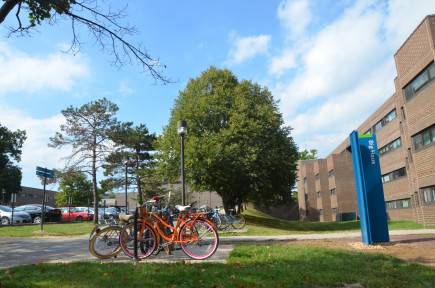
(369, 190)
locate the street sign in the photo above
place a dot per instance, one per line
(44, 172)
(369, 189)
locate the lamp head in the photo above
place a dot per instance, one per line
(125, 160)
(182, 127)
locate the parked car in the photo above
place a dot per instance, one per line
(112, 212)
(35, 211)
(74, 214)
(19, 217)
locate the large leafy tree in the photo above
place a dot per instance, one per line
(136, 143)
(307, 155)
(75, 185)
(86, 132)
(237, 143)
(102, 21)
(11, 143)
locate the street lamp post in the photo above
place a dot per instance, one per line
(182, 130)
(126, 160)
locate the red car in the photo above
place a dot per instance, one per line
(73, 214)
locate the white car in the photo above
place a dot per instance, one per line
(19, 217)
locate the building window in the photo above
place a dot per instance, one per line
(319, 194)
(428, 195)
(369, 131)
(305, 180)
(424, 138)
(420, 82)
(30, 195)
(403, 113)
(417, 203)
(334, 210)
(396, 174)
(333, 191)
(306, 196)
(24, 195)
(320, 212)
(384, 121)
(331, 173)
(317, 176)
(398, 204)
(390, 147)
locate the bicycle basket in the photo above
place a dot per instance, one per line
(142, 210)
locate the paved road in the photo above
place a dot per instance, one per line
(16, 251)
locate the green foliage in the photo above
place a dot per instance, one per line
(237, 143)
(76, 185)
(40, 10)
(87, 131)
(305, 155)
(135, 143)
(11, 143)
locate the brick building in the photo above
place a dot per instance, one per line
(29, 195)
(405, 130)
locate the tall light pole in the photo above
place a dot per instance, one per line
(182, 130)
(126, 160)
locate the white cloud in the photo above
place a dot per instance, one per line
(22, 72)
(35, 150)
(403, 17)
(295, 15)
(284, 62)
(124, 89)
(247, 47)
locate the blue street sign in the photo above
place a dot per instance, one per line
(369, 189)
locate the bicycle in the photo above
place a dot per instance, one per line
(104, 239)
(236, 220)
(196, 235)
(218, 219)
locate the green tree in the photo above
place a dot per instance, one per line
(136, 143)
(305, 155)
(11, 143)
(86, 131)
(75, 185)
(237, 143)
(102, 21)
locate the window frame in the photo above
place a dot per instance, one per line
(418, 142)
(408, 91)
(385, 120)
(428, 193)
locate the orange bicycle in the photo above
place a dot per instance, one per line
(196, 235)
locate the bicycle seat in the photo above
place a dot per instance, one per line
(182, 208)
(125, 218)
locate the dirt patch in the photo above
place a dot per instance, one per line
(410, 248)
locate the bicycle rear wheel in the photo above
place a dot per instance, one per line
(238, 221)
(145, 245)
(205, 243)
(105, 243)
(225, 222)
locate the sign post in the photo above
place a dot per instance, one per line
(13, 200)
(369, 189)
(46, 173)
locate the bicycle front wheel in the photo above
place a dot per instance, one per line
(105, 243)
(216, 221)
(146, 244)
(199, 240)
(238, 221)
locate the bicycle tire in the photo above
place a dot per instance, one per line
(225, 222)
(207, 243)
(146, 244)
(238, 221)
(105, 243)
(216, 221)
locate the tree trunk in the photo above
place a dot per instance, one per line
(94, 183)
(6, 8)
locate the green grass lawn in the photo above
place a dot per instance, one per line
(257, 224)
(276, 265)
(273, 265)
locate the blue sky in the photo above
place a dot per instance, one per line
(329, 63)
